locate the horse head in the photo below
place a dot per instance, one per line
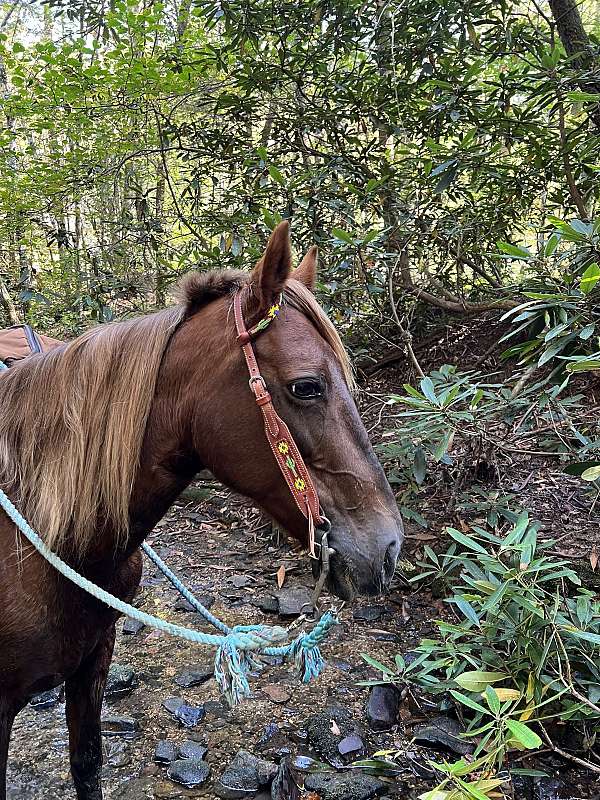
(307, 374)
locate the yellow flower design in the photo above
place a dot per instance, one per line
(273, 311)
(283, 447)
(300, 484)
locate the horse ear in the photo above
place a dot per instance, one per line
(306, 271)
(273, 269)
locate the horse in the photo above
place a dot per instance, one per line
(98, 438)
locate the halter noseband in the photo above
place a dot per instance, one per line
(281, 441)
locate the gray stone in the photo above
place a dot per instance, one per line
(267, 604)
(322, 735)
(354, 786)
(443, 733)
(294, 600)
(132, 626)
(382, 707)
(121, 681)
(188, 771)
(351, 747)
(284, 786)
(369, 613)
(165, 752)
(112, 725)
(194, 676)
(181, 604)
(45, 700)
(246, 774)
(190, 749)
(188, 716)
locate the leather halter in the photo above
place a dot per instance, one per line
(281, 441)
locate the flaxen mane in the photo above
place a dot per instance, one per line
(72, 421)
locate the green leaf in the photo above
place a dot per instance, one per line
(440, 450)
(589, 365)
(467, 541)
(492, 699)
(276, 175)
(579, 467)
(466, 701)
(523, 734)
(513, 250)
(419, 467)
(429, 391)
(591, 473)
(477, 680)
(342, 235)
(589, 278)
(377, 664)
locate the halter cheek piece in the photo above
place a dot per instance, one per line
(282, 444)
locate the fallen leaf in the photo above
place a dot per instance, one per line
(594, 557)
(280, 576)
(335, 728)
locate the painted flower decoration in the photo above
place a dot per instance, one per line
(283, 447)
(273, 311)
(300, 484)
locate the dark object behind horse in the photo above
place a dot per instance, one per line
(99, 436)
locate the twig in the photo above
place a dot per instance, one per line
(564, 754)
(406, 336)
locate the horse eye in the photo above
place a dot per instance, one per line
(306, 389)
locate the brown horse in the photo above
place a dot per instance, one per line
(98, 438)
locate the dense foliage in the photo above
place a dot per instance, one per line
(422, 145)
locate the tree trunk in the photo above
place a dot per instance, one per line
(577, 43)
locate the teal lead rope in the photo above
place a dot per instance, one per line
(235, 645)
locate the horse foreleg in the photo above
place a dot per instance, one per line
(7, 716)
(83, 693)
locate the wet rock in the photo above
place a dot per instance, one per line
(132, 626)
(294, 600)
(181, 604)
(117, 754)
(548, 789)
(45, 700)
(443, 733)
(165, 752)
(194, 676)
(189, 772)
(386, 636)
(245, 775)
(330, 727)
(355, 786)
(121, 681)
(189, 716)
(190, 749)
(306, 764)
(351, 747)
(112, 725)
(277, 693)
(382, 707)
(239, 581)
(172, 704)
(267, 604)
(284, 786)
(369, 613)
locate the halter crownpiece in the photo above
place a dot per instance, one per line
(281, 441)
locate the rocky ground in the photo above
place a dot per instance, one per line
(164, 724)
(163, 706)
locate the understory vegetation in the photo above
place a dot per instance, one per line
(445, 157)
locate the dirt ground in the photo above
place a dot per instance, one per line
(222, 548)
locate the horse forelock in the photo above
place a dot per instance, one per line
(72, 421)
